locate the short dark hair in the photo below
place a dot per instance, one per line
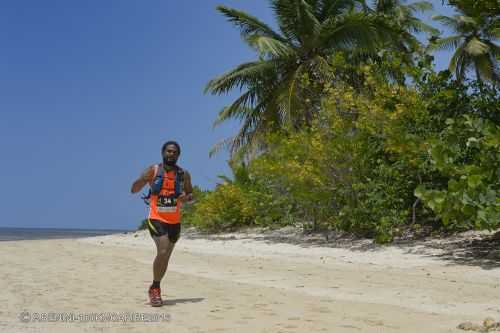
(171, 143)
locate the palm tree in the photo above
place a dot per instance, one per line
(402, 18)
(404, 15)
(474, 45)
(282, 88)
(476, 8)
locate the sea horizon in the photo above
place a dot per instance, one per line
(23, 233)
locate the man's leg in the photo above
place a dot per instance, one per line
(164, 248)
(164, 236)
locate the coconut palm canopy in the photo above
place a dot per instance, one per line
(404, 23)
(278, 88)
(309, 31)
(403, 15)
(474, 44)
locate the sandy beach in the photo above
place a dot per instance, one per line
(248, 282)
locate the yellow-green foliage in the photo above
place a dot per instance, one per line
(373, 162)
(370, 139)
(292, 173)
(226, 207)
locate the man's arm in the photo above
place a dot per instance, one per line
(145, 177)
(188, 188)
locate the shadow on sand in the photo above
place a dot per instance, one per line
(182, 300)
(482, 251)
(175, 301)
(471, 248)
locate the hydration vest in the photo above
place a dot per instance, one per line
(157, 183)
(166, 187)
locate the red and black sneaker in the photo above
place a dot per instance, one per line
(155, 297)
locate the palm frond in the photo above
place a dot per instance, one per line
(248, 24)
(313, 3)
(243, 75)
(420, 6)
(223, 144)
(247, 133)
(351, 30)
(256, 121)
(418, 26)
(296, 19)
(331, 8)
(463, 63)
(484, 67)
(456, 58)
(285, 12)
(448, 43)
(237, 108)
(270, 46)
(308, 19)
(225, 179)
(465, 20)
(448, 21)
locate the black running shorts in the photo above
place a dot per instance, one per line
(158, 229)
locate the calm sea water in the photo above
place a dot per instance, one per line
(11, 234)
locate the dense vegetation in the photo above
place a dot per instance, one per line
(345, 125)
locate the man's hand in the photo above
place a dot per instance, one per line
(146, 175)
(143, 179)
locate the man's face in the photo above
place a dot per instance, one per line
(170, 154)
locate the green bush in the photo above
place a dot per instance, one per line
(373, 162)
(467, 153)
(225, 208)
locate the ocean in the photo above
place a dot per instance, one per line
(12, 234)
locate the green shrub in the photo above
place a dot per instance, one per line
(373, 162)
(227, 207)
(467, 153)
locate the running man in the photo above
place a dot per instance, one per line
(170, 186)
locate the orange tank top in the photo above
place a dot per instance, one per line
(164, 206)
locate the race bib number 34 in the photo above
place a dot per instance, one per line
(166, 204)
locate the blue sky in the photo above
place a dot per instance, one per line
(89, 91)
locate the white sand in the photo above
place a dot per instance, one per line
(245, 282)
